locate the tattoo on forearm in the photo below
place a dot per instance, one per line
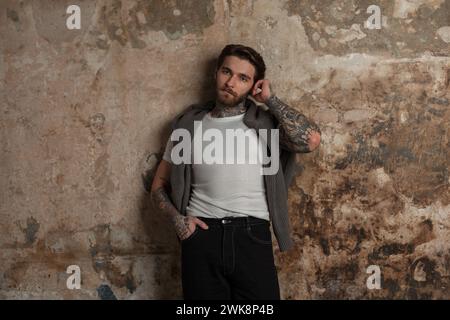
(181, 226)
(161, 199)
(295, 128)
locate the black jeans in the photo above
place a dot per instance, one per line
(233, 259)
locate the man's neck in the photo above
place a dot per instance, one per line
(221, 110)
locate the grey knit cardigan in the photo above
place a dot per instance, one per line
(276, 185)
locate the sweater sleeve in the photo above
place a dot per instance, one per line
(288, 163)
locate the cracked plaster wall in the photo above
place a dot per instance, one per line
(84, 116)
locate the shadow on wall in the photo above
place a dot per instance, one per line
(164, 250)
(208, 84)
(163, 244)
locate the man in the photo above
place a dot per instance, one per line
(222, 212)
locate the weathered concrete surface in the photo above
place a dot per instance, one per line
(84, 116)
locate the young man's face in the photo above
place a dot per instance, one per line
(234, 80)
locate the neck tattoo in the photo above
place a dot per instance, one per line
(221, 110)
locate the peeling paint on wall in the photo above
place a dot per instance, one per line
(409, 27)
(86, 113)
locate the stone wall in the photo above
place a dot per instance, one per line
(85, 114)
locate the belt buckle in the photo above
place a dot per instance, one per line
(225, 221)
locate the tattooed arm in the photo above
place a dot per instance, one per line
(297, 133)
(184, 225)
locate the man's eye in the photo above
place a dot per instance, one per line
(225, 71)
(244, 79)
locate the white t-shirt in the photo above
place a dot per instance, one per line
(231, 189)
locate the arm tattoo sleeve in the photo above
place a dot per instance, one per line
(295, 128)
(161, 199)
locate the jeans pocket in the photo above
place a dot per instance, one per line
(260, 233)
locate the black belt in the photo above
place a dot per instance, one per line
(238, 221)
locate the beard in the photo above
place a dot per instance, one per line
(230, 100)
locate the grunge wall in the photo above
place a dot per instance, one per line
(84, 119)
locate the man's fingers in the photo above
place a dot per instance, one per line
(256, 86)
(201, 223)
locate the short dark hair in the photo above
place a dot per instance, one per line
(246, 53)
